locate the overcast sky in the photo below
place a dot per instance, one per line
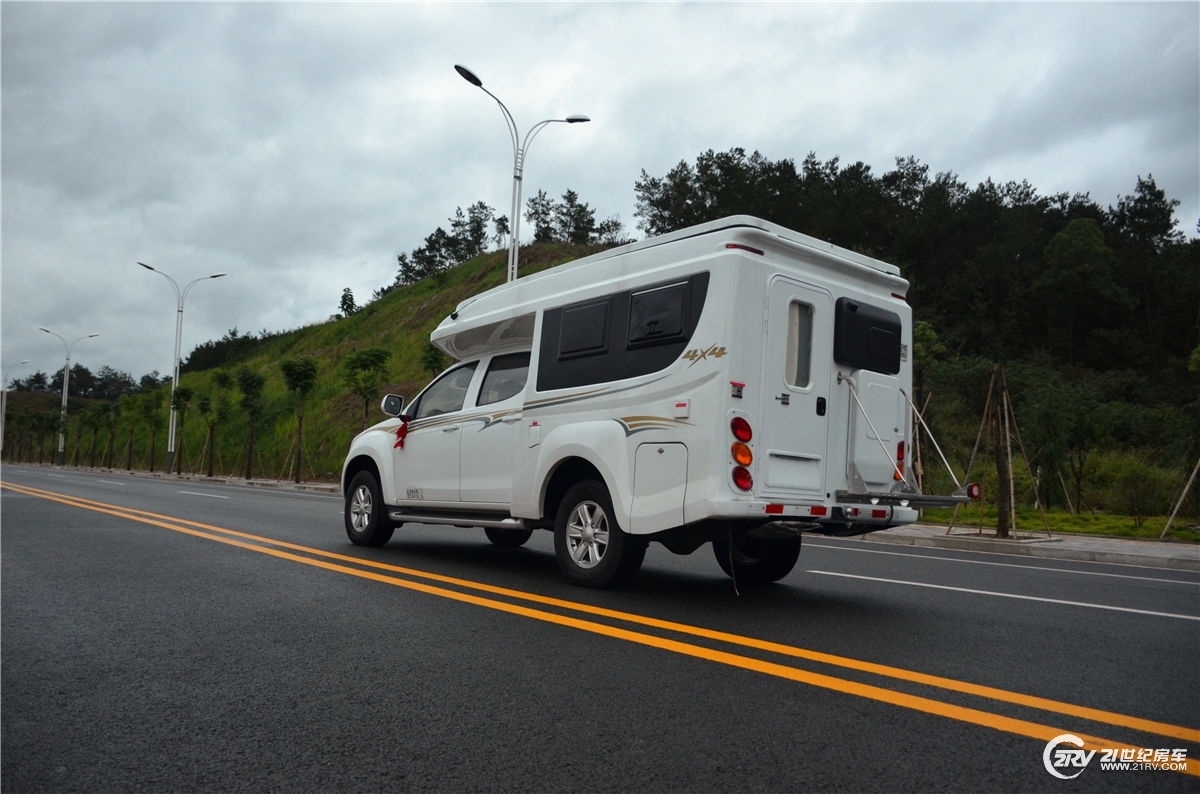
(299, 147)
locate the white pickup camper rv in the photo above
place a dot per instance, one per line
(733, 383)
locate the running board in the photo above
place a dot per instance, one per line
(461, 520)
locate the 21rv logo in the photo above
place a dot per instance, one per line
(1055, 757)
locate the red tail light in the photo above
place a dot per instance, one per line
(898, 474)
(741, 429)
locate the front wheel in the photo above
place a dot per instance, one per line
(366, 521)
(755, 561)
(592, 550)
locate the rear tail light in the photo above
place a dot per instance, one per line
(740, 452)
(898, 474)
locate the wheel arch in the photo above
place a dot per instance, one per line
(357, 464)
(567, 473)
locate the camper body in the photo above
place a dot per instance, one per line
(735, 383)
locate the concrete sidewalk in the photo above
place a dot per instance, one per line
(1175, 555)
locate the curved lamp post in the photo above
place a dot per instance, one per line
(180, 296)
(520, 149)
(61, 457)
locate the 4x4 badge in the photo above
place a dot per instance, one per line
(696, 355)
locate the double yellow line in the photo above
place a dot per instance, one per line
(519, 603)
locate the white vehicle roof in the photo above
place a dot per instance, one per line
(503, 317)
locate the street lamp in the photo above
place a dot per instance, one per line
(180, 296)
(520, 149)
(61, 458)
(4, 403)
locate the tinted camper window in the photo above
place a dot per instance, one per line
(622, 335)
(584, 329)
(657, 315)
(866, 337)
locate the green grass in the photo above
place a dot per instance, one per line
(1030, 521)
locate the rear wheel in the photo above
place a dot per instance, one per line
(592, 550)
(509, 538)
(366, 521)
(754, 561)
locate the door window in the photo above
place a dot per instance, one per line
(446, 394)
(798, 369)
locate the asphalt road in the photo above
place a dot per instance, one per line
(165, 636)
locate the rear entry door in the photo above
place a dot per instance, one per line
(796, 375)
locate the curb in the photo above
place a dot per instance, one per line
(1077, 548)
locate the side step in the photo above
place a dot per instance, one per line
(485, 520)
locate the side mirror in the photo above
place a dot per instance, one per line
(392, 405)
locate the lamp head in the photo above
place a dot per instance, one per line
(577, 118)
(468, 75)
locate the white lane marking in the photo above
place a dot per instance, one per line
(112, 482)
(1010, 595)
(209, 495)
(1010, 564)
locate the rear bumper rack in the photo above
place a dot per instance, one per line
(963, 495)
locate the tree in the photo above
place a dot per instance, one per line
(432, 359)
(1077, 291)
(347, 305)
(214, 407)
(611, 232)
(502, 230)
(574, 222)
(300, 374)
(110, 384)
(469, 231)
(539, 211)
(150, 411)
(251, 384)
(180, 402)
(363, 372)
(112, 422)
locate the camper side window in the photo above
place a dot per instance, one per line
(657, 315)
(799, 344)
(620, 335)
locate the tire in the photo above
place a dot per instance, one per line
(591, 548)
(757, 561)
(508, 538)
(366, 521)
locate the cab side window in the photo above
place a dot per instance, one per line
(505, 377)
(446, 394)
